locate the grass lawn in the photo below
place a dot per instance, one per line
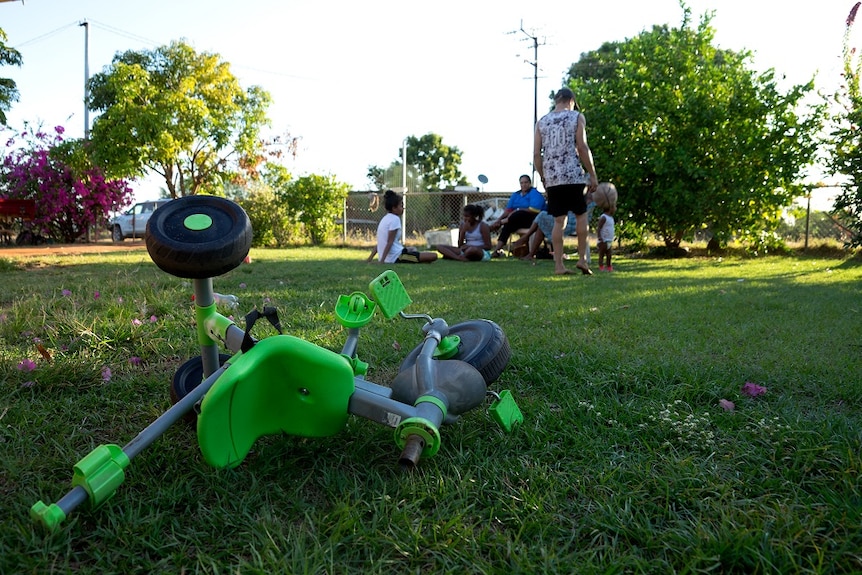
(626, 463)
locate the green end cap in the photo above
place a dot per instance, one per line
(447, 347)
(49, 516)
(359, 367)
(198, 222)
(424, 429)
(100, 472)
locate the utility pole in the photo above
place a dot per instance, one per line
(86, 26)
(404, 187)
(535, 64)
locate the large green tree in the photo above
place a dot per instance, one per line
(691, 137)
(846, 143)
(179, 113)
(8, 89)
(431, 165)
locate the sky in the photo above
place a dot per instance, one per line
(352, 80)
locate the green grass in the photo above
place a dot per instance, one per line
(626, 463)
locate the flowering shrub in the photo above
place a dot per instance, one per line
(71, 196)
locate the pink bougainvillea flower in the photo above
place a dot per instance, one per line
(106, 374)
(135, 360)
(752, 389)
(96, 294)
(66, 293)
(27, 365)
(136, 321)
(726, 405)
(153, 319)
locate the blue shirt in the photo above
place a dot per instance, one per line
(532, 200)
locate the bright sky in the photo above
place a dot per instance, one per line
(353, 79)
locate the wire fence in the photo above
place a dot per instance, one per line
(423, 212)
(426, 212)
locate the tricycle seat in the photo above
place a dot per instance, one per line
(281, 385)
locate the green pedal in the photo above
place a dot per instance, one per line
(505, 411)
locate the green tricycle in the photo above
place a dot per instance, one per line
(283, 384)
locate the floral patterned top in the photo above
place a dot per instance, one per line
(560, 161)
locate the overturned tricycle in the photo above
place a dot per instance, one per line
(283, 384)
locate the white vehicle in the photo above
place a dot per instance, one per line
(133, 222)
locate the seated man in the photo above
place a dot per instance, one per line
(521, 210)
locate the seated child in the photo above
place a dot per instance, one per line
(474, 238)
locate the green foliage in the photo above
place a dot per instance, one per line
(179, 113)
(285, 211)
(690, 136)
(8, 89)
(431, 166)
(846, 142)
(438, 164)
(315, 201)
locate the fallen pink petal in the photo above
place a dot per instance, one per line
(27, 365)
(153, 319)
(752, 389)
(96, 295)
(106, 374)
(135, 360)
(726, 405)
(66, 293)
(136, 321)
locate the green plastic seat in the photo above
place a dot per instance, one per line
(281, 385)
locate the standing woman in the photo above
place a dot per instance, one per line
(389, 247)
(564, 162)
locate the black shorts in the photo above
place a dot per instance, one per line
(567, 198)
(408, 256)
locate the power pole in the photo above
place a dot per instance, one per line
(535, 64)
(86, 26)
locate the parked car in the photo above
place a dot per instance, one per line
(133, 222)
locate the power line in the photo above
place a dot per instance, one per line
(46, 35)
(123, 33)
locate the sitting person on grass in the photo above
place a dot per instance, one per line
(389, 248)
(474, 238)
(520, 212)
(541, 230)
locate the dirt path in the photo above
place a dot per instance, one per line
(70, 249)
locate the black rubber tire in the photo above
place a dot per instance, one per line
(483, 345)
(198, 253)
(190, 375)
(117, 234)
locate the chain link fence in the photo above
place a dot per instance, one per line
(423, 212)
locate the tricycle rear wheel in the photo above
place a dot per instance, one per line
(483, 345)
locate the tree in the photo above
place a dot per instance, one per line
(284, 210)
(690, 136)
(178, 113)
(315, 201)
(8, 89)
(71, 196)
(432, 164)
(846, 143)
